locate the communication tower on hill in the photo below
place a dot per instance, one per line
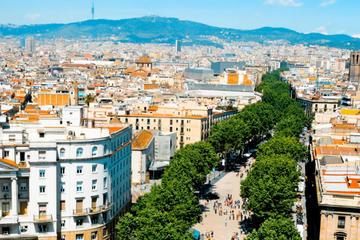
(92, 10)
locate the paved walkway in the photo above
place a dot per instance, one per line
(222, 227)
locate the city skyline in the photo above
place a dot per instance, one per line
(323, 16)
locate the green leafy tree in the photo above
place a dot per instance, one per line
(282, 145)
(270, 187)
(291, 127)
(275, 229)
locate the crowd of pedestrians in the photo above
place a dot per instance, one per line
(232, 209)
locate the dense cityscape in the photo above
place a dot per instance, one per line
(206, 137)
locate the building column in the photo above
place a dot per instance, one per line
(14, 196)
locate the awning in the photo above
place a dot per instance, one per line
(158, 165)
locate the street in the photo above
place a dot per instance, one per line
(228, 219)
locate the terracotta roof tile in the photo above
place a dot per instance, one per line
(9, 162)
(142, 140)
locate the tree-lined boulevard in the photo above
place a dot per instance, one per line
(273, 126)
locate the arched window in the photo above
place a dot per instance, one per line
(79, 152)
(94, 151)
(62, 152)
(105, 149)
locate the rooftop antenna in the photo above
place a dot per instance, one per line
(92, 10)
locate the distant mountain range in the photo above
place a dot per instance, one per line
(153, 29)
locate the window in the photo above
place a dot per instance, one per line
(341, 222)
(62, 170)
(79, 152)
(104, 232)
(5, 230)
(42, 173)
(42, 210)
(79, 169)
(94, 183)
(79, 186)
(42, 189)
(22, 156)
(42, 155)
(79, 222)
(94, 219)
(11, 138)
(62, 223)
(5, 208)
(105, 149)
(105, 182)
(5, 187)
(79, 236)
(41, 134)
(6, 154)
(171, 129)
(171, 122)
(23, 186)
(62, 152)
(94, 235)
(62, 187)
(94, 167)
(62, 205)
(105, 166)
(94, 151)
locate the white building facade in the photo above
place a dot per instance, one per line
(63, 182)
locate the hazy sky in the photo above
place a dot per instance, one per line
(325, 16)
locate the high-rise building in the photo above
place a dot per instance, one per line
(92, 10)
(30, 44)
(354, 75)
(178, 46)
(22, 42)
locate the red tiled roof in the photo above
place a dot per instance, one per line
(142, 140)
(9, 162)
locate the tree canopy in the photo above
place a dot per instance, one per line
(275, 229)
(282, 145)
(172, 207)
(270, 187)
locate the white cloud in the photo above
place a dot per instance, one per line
(285, 3)
(32, 16)
(321, 30)
(356, 35)
(327, 3)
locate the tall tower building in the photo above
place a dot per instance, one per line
(354, 75)
(178, 46)
(30, 44)
(92, 10)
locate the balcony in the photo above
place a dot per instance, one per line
(99, 209)
(7, 220)
(23, 195)
(80, 212)
(43, 218)
(5, 196)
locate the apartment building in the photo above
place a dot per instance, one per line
(190, 126)
(335, 150)
(313, 104)
(60, 180)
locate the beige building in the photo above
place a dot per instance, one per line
(335, 151)
(338, 198)
(312, 104)
(190, 126)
